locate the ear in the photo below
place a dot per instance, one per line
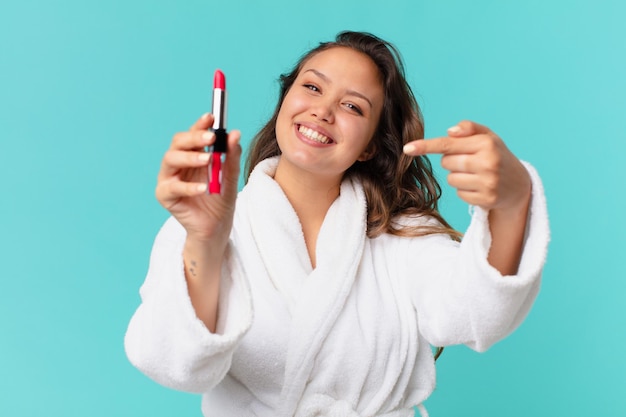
(368, 153)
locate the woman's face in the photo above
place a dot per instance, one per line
(329, 115)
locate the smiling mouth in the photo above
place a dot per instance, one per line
(314, 135)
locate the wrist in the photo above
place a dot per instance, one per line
(514, 212)
(206, 251)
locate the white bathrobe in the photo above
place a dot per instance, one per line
(349, 338)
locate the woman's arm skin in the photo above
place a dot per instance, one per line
(207, 218)
(486, 174)
(203, 273)
(507, 237)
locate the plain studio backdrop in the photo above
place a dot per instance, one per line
(91, 93)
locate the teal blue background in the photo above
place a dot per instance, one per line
(91, 93)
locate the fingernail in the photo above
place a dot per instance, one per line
(201, 188)
(204, 157)
(207, 136)
(454, 129)
(408, 148)
(204, 116)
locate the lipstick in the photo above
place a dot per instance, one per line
(218, 149)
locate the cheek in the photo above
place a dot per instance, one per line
(362, 134)
(293, 103)
(296, 104)
(370, 131)
(288, 108)
(283, 116)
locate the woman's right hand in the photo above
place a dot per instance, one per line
(182, 184)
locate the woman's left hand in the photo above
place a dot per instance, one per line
(482, 169)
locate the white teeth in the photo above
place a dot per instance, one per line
(313, 135)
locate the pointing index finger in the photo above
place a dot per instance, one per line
(443, 145)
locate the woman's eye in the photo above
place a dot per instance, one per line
(311, 87)
(354, 108)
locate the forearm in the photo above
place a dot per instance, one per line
(507, 229)
(203, 265)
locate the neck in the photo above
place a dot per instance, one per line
(310, 194)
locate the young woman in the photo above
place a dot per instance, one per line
(320, 287)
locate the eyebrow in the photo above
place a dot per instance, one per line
(349, 92)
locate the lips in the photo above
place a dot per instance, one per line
(314, 134)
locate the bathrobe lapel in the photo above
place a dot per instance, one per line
(339, 250)
(277, 234)
(315, 297)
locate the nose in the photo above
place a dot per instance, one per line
(323, 110)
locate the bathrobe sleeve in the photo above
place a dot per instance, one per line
(460, 298)
(165, 339)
